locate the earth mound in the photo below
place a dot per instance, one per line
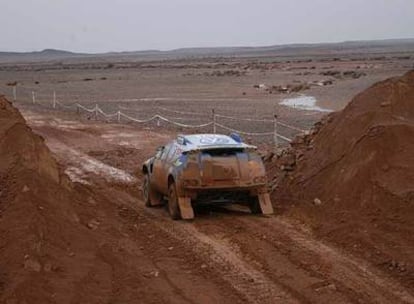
(43, 230)
(352, 177)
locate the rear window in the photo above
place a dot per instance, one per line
(222, 152)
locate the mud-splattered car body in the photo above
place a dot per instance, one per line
(205, 168)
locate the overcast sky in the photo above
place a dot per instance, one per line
(126, 25)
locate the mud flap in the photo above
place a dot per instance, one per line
(186, 209)
(265, 203)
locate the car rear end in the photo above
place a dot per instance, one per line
(223, 174)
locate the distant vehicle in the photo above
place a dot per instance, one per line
(205, 169)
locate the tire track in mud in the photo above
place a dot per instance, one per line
(337, 277)
(241, 270)
(353, 272)
(244, 278)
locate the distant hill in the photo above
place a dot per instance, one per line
(346, 47)
(45, 55)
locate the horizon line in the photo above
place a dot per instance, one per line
(208, 47)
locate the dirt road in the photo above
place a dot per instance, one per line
(224, 256)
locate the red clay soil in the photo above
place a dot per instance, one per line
(40, 231)
(352, 178)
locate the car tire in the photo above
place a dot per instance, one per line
(173, 207)
(148, 193)
(254, 206)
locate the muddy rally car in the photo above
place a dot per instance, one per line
(205, 169)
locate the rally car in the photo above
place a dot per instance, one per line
(205, 169)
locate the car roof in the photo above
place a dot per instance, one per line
(209, 141)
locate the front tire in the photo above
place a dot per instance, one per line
(173, 207)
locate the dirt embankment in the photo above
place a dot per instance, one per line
(41, 235)
(352, 178)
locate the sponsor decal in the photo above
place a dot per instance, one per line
(213, 140)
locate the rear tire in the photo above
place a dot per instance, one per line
(150, 196)
(173, 207)
(254, 206)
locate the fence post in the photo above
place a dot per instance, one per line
(275, 135)
(119, 116)
(213, 113)
(14, 92)
(33, 97)
(96, 112)
(54, 99)
(77, 109)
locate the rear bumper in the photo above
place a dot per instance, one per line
(205, 183)
(225, 186)
(224, 192)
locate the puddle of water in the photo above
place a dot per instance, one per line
(303, 102)
(83, 164)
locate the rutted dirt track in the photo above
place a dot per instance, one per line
(224, 256)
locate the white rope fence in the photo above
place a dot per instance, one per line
(236, 118)
(212, 121)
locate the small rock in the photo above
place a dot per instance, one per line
(286, 168)
(317, 202)
(290, 160)
(25, 189)
(385, 104)
(47, 267)
(203, 266)
(268, 157)
(75, 218)
(93, 224)
(91, 201)
(331, 286)
(32, 265)
(170, 248)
